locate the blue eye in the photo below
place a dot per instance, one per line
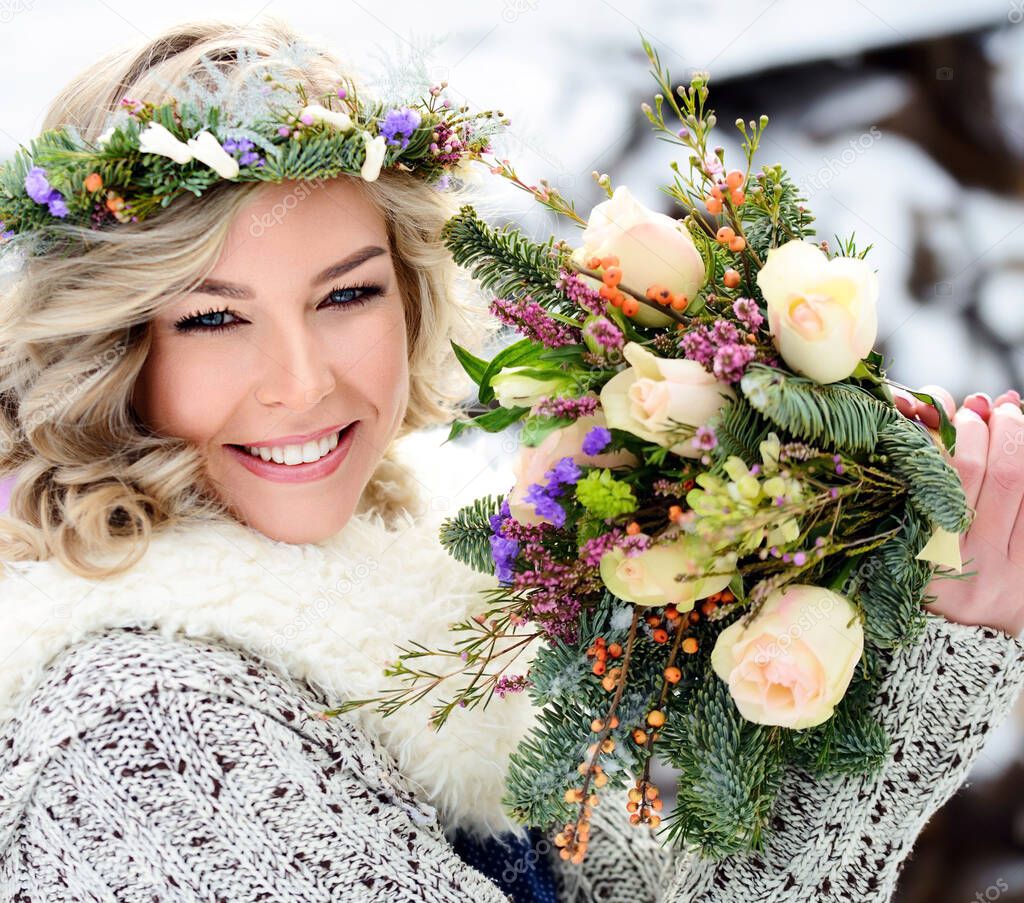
(212, 320)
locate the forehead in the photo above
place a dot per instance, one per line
(303, 222)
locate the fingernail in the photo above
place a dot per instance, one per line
(980, 403)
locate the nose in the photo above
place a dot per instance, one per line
(296, 372)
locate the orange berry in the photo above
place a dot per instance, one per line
(617, 299)
(671, 612)
(714, 206)
(609, 684)
(707, 607)
(634, 795)
(694, 617)
(599, 668)
(609, 261)
(731, 278)
(614, 720)
(716, 192)
(607, 746)
(737, 197)
(673, 675)
(615, 650)
(654, 821)
(680, 302)
(597, 725)
(655, 718)
(654, 620)
(651, 792)
(612, 276)
(593, 263)
(607, 292)
(734, 179)
(738, 243)
(632, 528)
(690, 645)
(639, 736)
(725, 233)
(600, 780)
(93, 182)
(660, 635)
(630, 306)
(657, 805)
(601, 641)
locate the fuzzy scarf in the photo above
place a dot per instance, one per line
(330, 613)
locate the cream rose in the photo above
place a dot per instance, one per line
(512, 389)
(534, 461)
(649, 577)
(822, 313)
(793, 664)
(643, 398)
(652, 249)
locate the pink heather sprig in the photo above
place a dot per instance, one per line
(515, 683)
(747, 312)
(578, 291)
(719, 348)
(564, 406)
(605, 333)
(532, 320)
(592, 550)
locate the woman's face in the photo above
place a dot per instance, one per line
(313, 340)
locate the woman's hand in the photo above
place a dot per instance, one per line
(989, 456)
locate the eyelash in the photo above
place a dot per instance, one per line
(191, 324)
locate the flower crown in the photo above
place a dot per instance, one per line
(260, 130)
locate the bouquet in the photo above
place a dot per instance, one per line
(721, 523)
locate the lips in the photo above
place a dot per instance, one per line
(297, 473)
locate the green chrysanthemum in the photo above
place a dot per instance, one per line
(604, 496)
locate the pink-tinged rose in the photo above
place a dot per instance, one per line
(795, 661)
(822, 313)
(534, 461)
(649, 577)
(653, 249)
(646, 397)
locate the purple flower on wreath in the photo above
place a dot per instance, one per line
(596, 440)
(245, 146)
(38, 188)
(4, 236)
(398, 125)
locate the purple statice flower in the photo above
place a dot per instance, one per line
(616, 538)
(245, 146)
(38, 188)
(596, 440)
(398, 125)
(563, 474)
(544, 505)
(543, 497)
(443, 183)
(504, 549)
(747, 311)
(532, 320)
(4, 236)
(567, 406)
(577, 290)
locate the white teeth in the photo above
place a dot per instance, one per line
(296, 454)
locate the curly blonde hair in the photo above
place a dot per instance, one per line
(91, 479)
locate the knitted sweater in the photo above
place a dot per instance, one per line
(158, 742)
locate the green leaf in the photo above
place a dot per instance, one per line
(474, 366)
(514, 355)
(493, 421)
(947, 432)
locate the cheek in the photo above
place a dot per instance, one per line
(170, 383)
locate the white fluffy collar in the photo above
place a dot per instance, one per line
(330, 613)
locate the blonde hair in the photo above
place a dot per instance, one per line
(92, 480)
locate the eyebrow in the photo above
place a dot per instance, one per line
(224, 289)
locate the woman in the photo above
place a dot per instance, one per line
(181, 596)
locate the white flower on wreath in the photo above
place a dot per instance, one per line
(339, 119)
(156, 139)
(375, 150)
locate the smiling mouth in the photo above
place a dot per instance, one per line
(292, 455)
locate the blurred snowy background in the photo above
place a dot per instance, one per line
(903, 123)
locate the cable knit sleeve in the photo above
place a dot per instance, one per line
(152, 768)
(846, 839)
